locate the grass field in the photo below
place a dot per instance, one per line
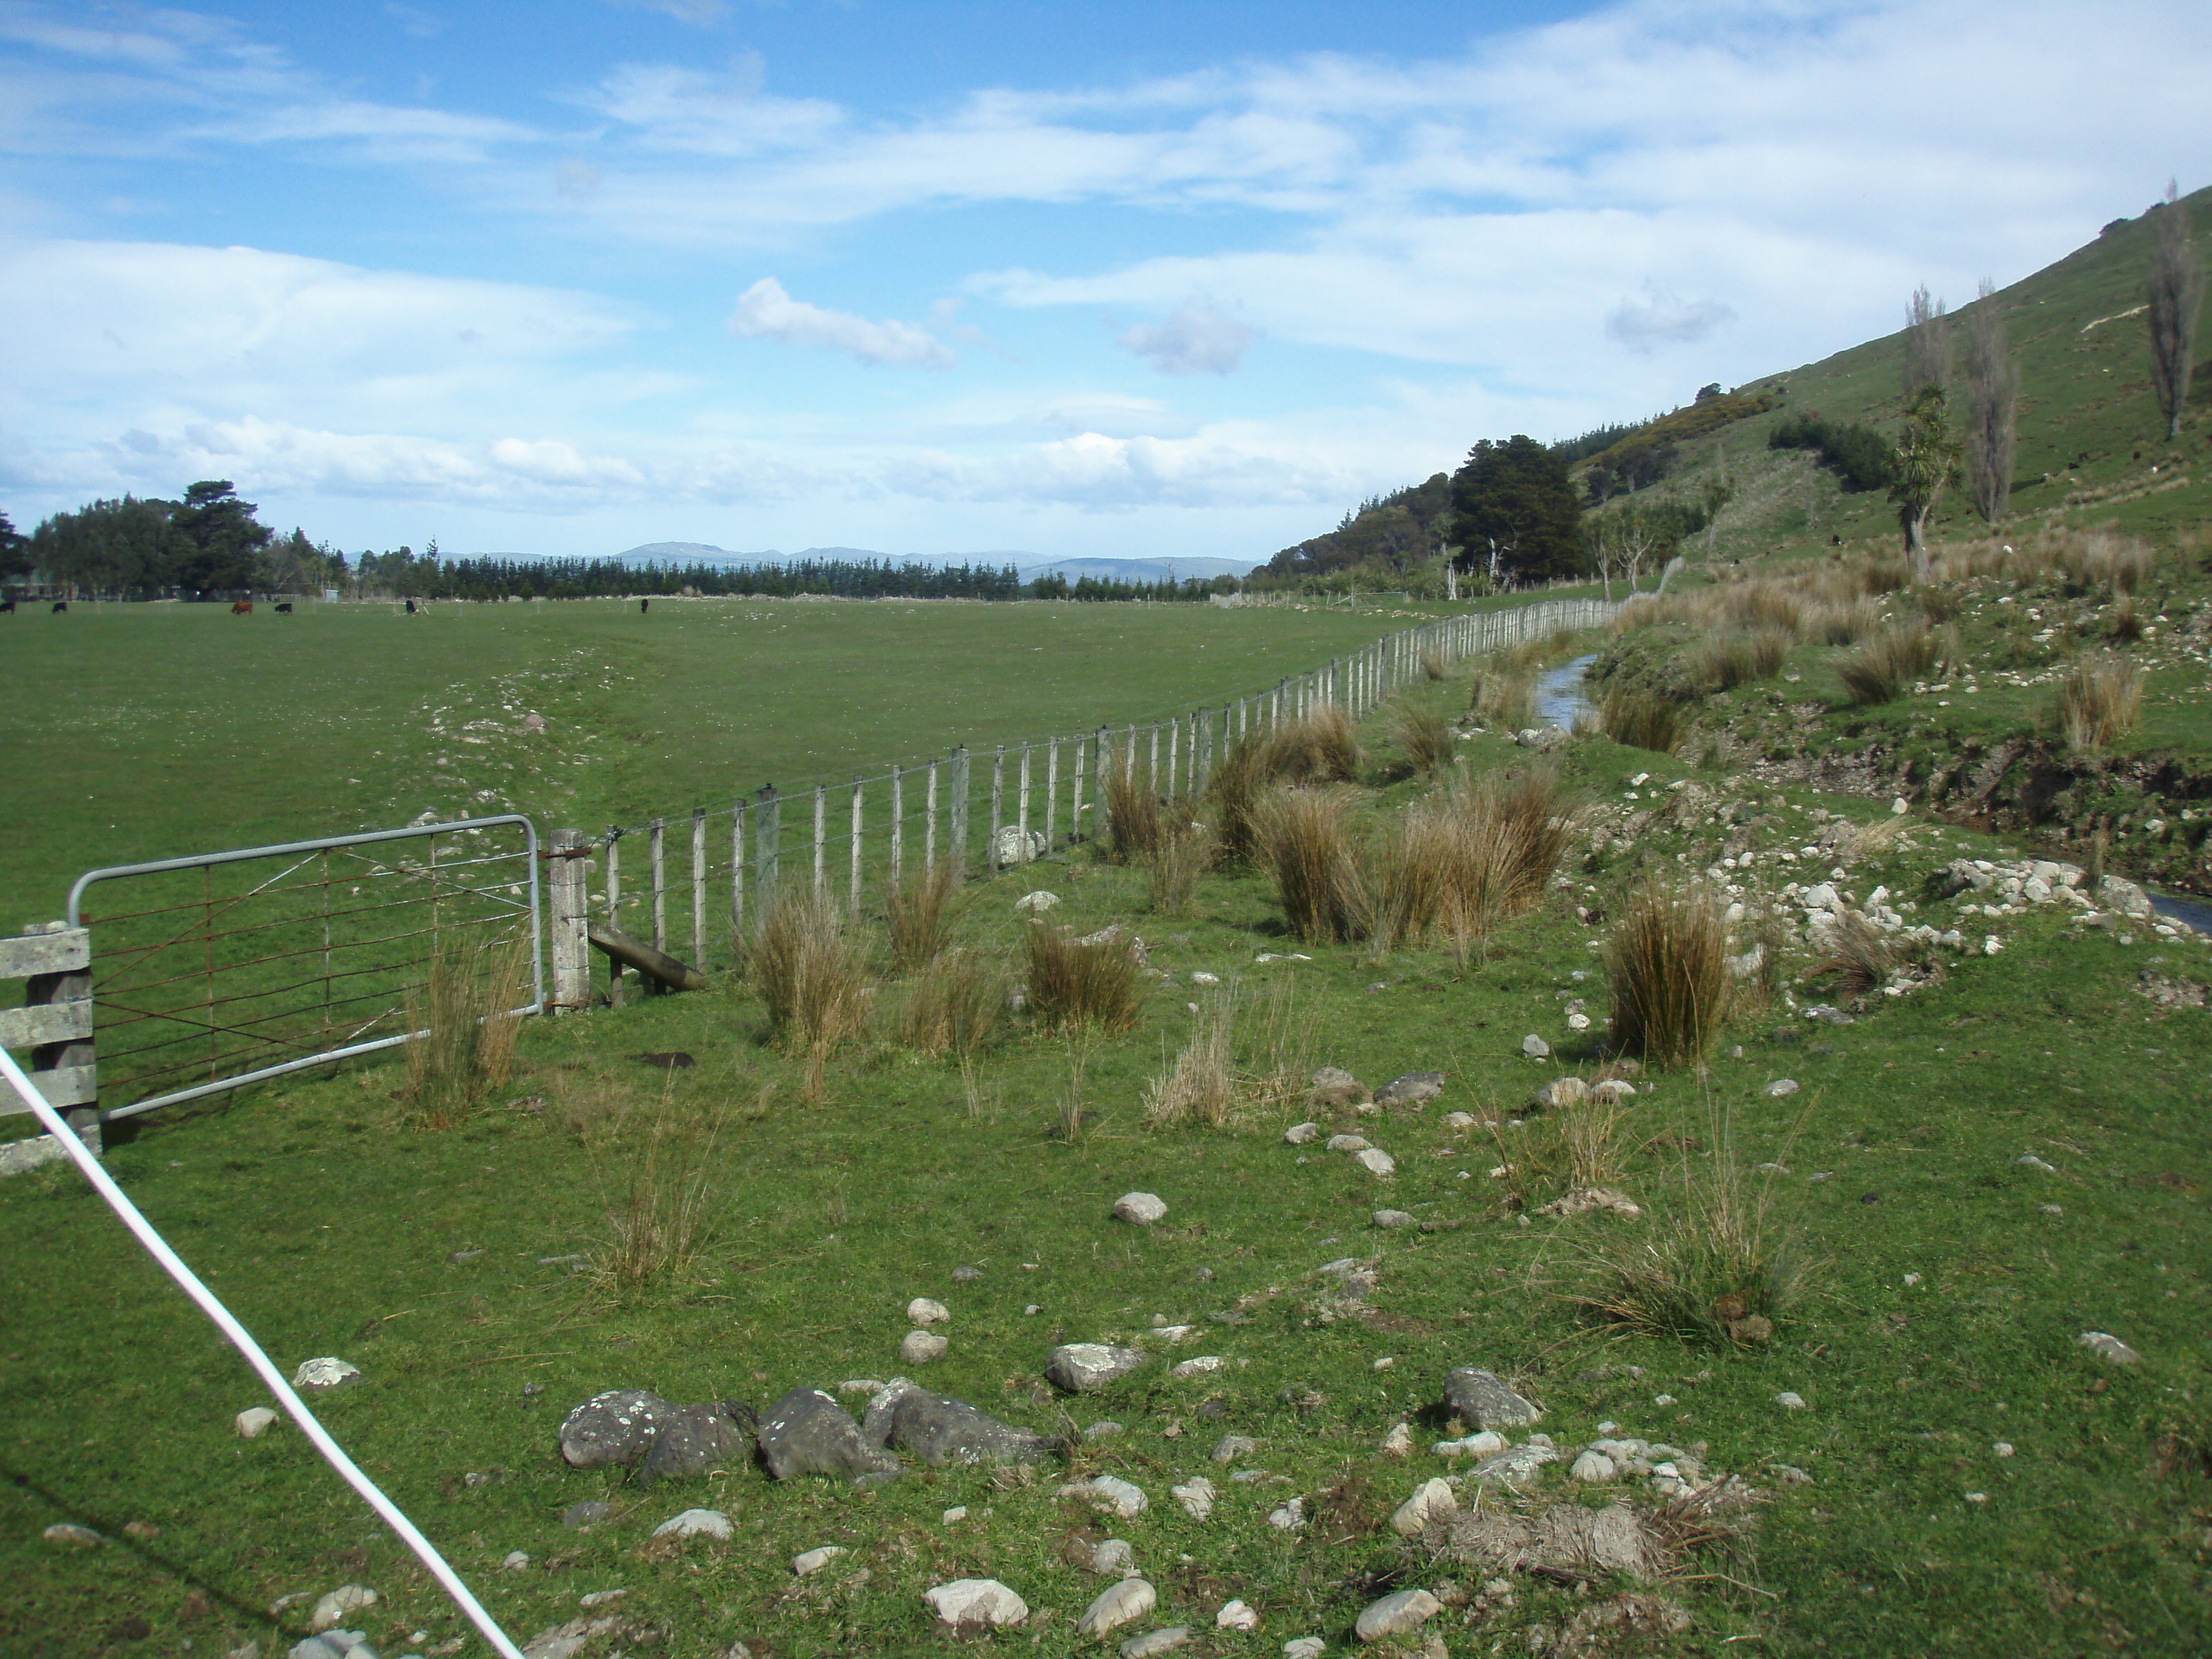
(1949, 1281)
(166, 729)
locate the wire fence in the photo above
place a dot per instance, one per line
(695, 883)
(224, 968)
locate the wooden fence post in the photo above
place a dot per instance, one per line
(958, 850)
(55, 1023)
(898, 826)
(659, 885)
(613, 908)
(820, 836)
(570, 904)
(737, 884)
(699, 887)
(1051, 793)
(853, 901)
(1022, 816)
(929, 834)
(997, 808)
(768, 853)
(1174, 744)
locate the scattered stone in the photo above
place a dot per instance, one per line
(1376, 1163)
(1140, 1209)
(1299, 1133)
(345, 1599)
(1613, 1090)
(2035, 1162)
(1304, 1647)
(808, 1432)
(515, 1562)
(1394, 1218)
(1156, 1641)
(70, 1536)
(322, 1376)
(1117, 1604)
(1196, 1496)
(2003, 1448)
(1109, 1492)
(1432, 1502)
(1102, 1429)
(1014, 845)
(698, 1440)
(1037, 902)
(617, 1427)
(1481, 1444)
(1483, 1398)
(940, 1430)
(1559, 1091)
(966, 1274)
(1235, 1615)
(465, 1256)
(694, 1523)
(2105, 1343)
(1333, 1086)
(1113, 1558)
(1459, 1123)
(589, 1513)
(976, 1602)
(1594, 1468)
(1200, 1366)
(1399, 1443)
(1396, 1614)
(1347, 1143)
(1290, 1517)
(144, 1531)
(1789, 1401)
(1535, 1047)
(1410, 1089)
(923, 1310)
(1779, 1087)
(1791, 1475)
(920, 1348)
(954, 1516)
(1200, 977)
(1086, 1367)
(1519, 1464)
(1584, 1200)
(254, 1421)
(600, 1598)
(1235, 1448)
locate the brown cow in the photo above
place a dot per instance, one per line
(242, 607)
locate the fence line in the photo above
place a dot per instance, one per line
(874, 844)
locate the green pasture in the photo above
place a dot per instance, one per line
(333, 1227)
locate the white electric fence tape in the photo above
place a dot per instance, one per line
(103, 1184)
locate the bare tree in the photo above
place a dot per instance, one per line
(2175, 291)
(1927, 343)
(1992, 396)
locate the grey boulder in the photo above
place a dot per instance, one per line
(617, 1427)
(1086, 1367)
(1410, 1089)
(700, 1439)
(1483, 1399)
(808, 1432)
(938, 1430)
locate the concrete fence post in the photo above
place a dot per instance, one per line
(768, 853)
(655, 848)
(699, 887)
(55, 1023)
(821, 838)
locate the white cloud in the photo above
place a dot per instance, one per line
(765, 312)
(698, 13)
(1195, 339)
(1661, 318)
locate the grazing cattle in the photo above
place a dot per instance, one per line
(284, 610)
(644, 606)
(7, 607)
(60, 605)
(410, 607)
(242, 607)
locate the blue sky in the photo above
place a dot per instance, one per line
(1136, 280)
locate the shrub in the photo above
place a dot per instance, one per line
(956, 1003)
(466, 1008)
(812, 973)
(1318, 747)
(1860, 458)
(1426, 735)
(1305, 842)
(1643, 719)
(1667, 961)
(1174, 865)
(1879, 669)
(1132, 811)
(2100, 703)
(918, 911)
(1074, 984)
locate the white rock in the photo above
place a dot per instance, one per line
(923, 1310)
(1037, 902)
(1789, 1401)
(811, 1562)
(1780, 1086)
(1111, 1493)
(867, 1385)
(1459, 1121)
(1117, 1604)
(2111, 1346)
(1235, 1615)
(2003, 1448)
(1399, 1443)
(515, 1562)
(320, 1375)
(1198, 1367)
(345, 1599)
(1141, 1209)
(1432, 1501)
(1376, 1161)
(1115, 1557)
(1578, 1022)
(1394, 1218)
(1395, 1615)
(1155, 1642)
(1196, 1496)
(254, 1421)
(1304, 1647)
(1202, 978)
(922, 1347)
(954, 1516)
(70, 1535)
(1535, 1047)
(977, 1602)
(1290, 1517)
(1347, 1143)
(1484, 1443)
(694, 1523)
(1299, 1133)
(1593, 1467)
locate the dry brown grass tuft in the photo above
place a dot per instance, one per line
(1306, 842)
(1433, 665)
(1470, 857)
(655, 1182)
(1504, 697)
(1075, 986)
(1426, 734)
(1320, 747)
(1200, 1083)
(1743, 657)
(1644, 719)
(1172, 868)
(1133, 811)
(1844, 623)
(2127, 623)
(813, 973)
(1667, 961)
(1237, 788)
(1247, 1054)
(465, 1007)
(1860, 955)
(919, 912)
(956, 1003)
(1879, 669)
(2100, 703)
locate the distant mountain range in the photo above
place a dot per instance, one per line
(1126, 570)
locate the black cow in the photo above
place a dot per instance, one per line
(284, 610)
(644, 606)
(410, 607)
(7, 607)
(60, 605)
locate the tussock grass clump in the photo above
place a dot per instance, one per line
(1238, 785)
(659, 1202)
(1172, 867)
(465, 1005)
(1504, 698)
(1846, 622)
(2099, 703)
(919, 912)
(2127, 624)
(1318, 747)
(1433, 666)
(1133, 813)
(813, 973)
(1306, 842)
(1879, 669)
(956, 1003)
(1860, 955)
(1469, 858)
(1644, 719)
(1715, 1266)
(1426, 735)
(1667, 961)
(1247, 1053)
(1553, 1154)
(1074, 984)
(1743, 657)
(1768, 604)
(1201, 1082)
